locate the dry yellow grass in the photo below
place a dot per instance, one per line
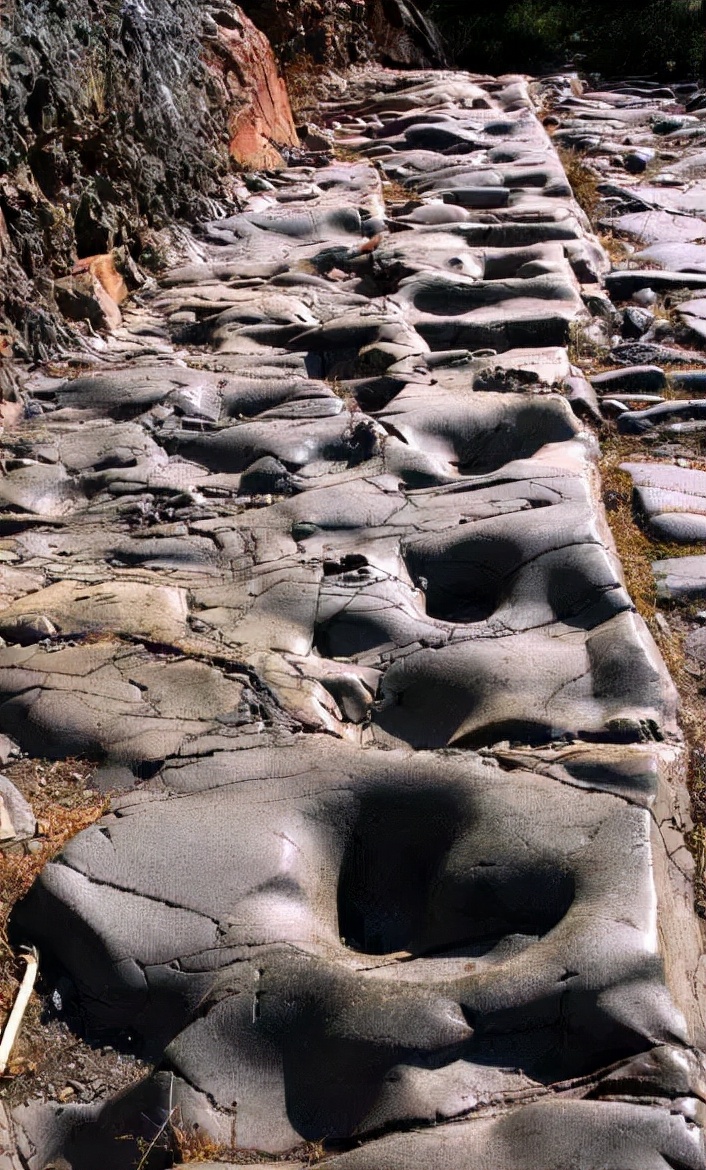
(614, 247)
(394, 192)
(637, 552)
(635, 548)
(345, 154)
(193, 1147)
(583, 180)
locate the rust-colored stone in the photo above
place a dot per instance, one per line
(241, 58)
(104, 270)
(83, 298)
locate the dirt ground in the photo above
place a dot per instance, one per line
(55, 1057)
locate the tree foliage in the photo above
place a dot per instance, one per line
(663, 37)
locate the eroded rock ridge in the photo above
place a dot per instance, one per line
(317, 565)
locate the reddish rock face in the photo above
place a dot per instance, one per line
(103, 268)
(241, 58)
(83, 297)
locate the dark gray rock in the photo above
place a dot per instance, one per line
(695, 646)
(636, 322)
(313, 947)
(637, 161)
(628, 1136)
(664, 414)
(644, 352)
(622, 284)
(648, 379)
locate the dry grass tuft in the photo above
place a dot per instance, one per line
(637, 552)
(582, 179)
(614, 247)
(192, 1146)
(395, 192)
(584, 351)
(635, 548)
(343, 153)
(347, 398)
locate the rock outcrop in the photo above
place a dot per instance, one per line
(117, 122)
(349, 31)
(122, 120)
(321, 576)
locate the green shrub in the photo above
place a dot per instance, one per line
(664, 37)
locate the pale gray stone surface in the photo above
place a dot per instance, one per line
(17, 821)
(672, 498)
(325, 585)
(680, 578)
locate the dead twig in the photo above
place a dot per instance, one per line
(12, 1027)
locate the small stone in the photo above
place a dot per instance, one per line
(636, 322)
(314, 138)
(644, 297)
(257, 183)
(17, 821)
(637, 161)
(7, 746)
(65, 1094)
(670, 123)
(662, 329)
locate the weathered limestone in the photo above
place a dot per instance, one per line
(330, 593)
(673, 499)
(681, 578)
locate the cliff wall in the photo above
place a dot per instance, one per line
(121, 117)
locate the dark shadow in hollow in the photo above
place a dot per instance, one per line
(411, 881)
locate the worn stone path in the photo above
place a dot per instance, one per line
(317, 565)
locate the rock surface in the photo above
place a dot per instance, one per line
(260, 120)
(103, 157)
(673, 500)
(17, 822)
(681, 578)
(121, 123)
(317, 568)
